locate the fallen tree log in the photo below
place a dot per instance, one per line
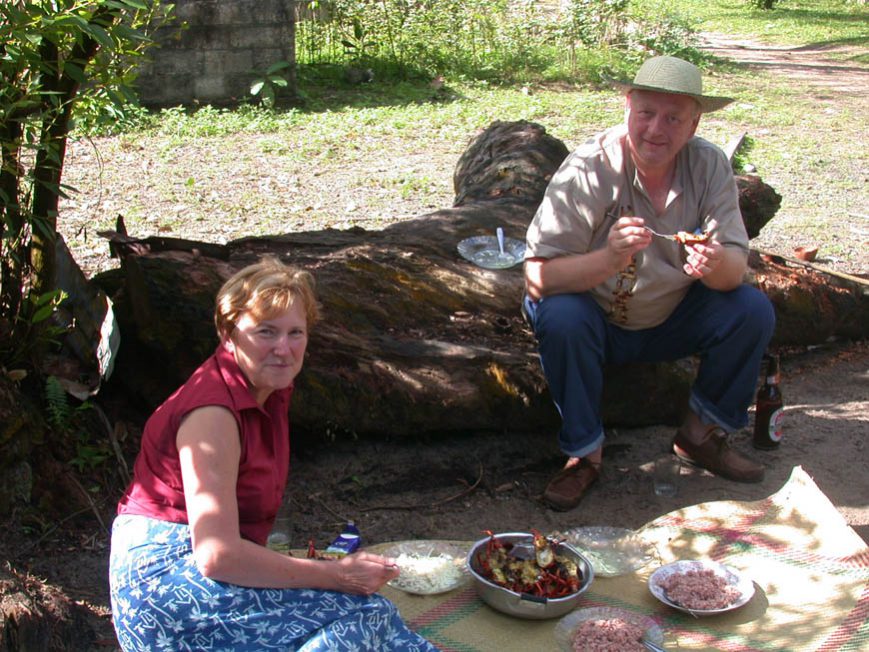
(415, 340)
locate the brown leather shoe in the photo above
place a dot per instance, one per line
(715, 454)
(569, 485)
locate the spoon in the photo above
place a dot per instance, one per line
(651, 646)
(500, 233)
(661, 235)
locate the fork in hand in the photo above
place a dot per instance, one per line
(661, 235)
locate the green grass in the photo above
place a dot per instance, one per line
(357, 155)
(790, 22)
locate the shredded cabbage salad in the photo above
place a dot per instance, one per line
(426, 573)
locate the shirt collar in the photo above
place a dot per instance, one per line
(237, 383)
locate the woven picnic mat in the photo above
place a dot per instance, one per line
(810, 570)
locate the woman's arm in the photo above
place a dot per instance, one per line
(209, 449)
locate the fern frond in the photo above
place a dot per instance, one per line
(57, 404)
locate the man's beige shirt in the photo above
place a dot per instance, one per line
(598, 183)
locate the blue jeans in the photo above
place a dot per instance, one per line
(728, 330)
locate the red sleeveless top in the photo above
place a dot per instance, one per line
(156, 489)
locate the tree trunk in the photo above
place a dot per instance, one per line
(416, 340)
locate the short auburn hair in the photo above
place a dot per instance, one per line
(265, 290)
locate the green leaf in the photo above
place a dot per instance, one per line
(114, 97)
(42, 314)
(129, 95)
(80, 22)
(278, 81)
(136, 4)
(257, 86)
(74, 72)
(125, 32)
(100, 35)
(48, 298)
(275, 67)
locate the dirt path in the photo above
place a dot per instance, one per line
(810, 64)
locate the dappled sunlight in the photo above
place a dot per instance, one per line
(846, 410)
(809, 569)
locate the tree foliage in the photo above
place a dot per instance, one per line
(54, 55)
(497, 40)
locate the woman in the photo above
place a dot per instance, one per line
(189, 569)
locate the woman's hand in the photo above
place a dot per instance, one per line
(364, 573)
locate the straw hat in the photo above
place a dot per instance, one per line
(672, 75)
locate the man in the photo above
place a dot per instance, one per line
(601, 288)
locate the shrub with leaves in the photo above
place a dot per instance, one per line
(493, 40)
(53, 53)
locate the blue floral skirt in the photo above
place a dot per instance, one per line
(160, 601)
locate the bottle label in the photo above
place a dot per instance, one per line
(775, 425)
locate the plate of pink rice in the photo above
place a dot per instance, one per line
(701, 587)
(606, 629)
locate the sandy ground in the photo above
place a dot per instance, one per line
(456, 489)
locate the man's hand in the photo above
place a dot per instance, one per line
(626, 237)
(581, 272)
(716, 266)
(703, 259)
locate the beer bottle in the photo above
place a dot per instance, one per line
(769, 411)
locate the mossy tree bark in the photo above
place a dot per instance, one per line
(416, 340)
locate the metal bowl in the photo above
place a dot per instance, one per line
(524, 605)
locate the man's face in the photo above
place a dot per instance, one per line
(659, 125)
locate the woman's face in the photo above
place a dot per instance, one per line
(270, 352)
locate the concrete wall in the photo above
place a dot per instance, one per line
(216, 56)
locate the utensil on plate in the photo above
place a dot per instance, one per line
(492, 251)
(503, 258)
(651, 646)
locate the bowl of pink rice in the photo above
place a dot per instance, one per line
(701, 587)
(606, 629)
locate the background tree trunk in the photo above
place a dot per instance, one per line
(416, 340)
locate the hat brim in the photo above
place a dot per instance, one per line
(708, 103)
